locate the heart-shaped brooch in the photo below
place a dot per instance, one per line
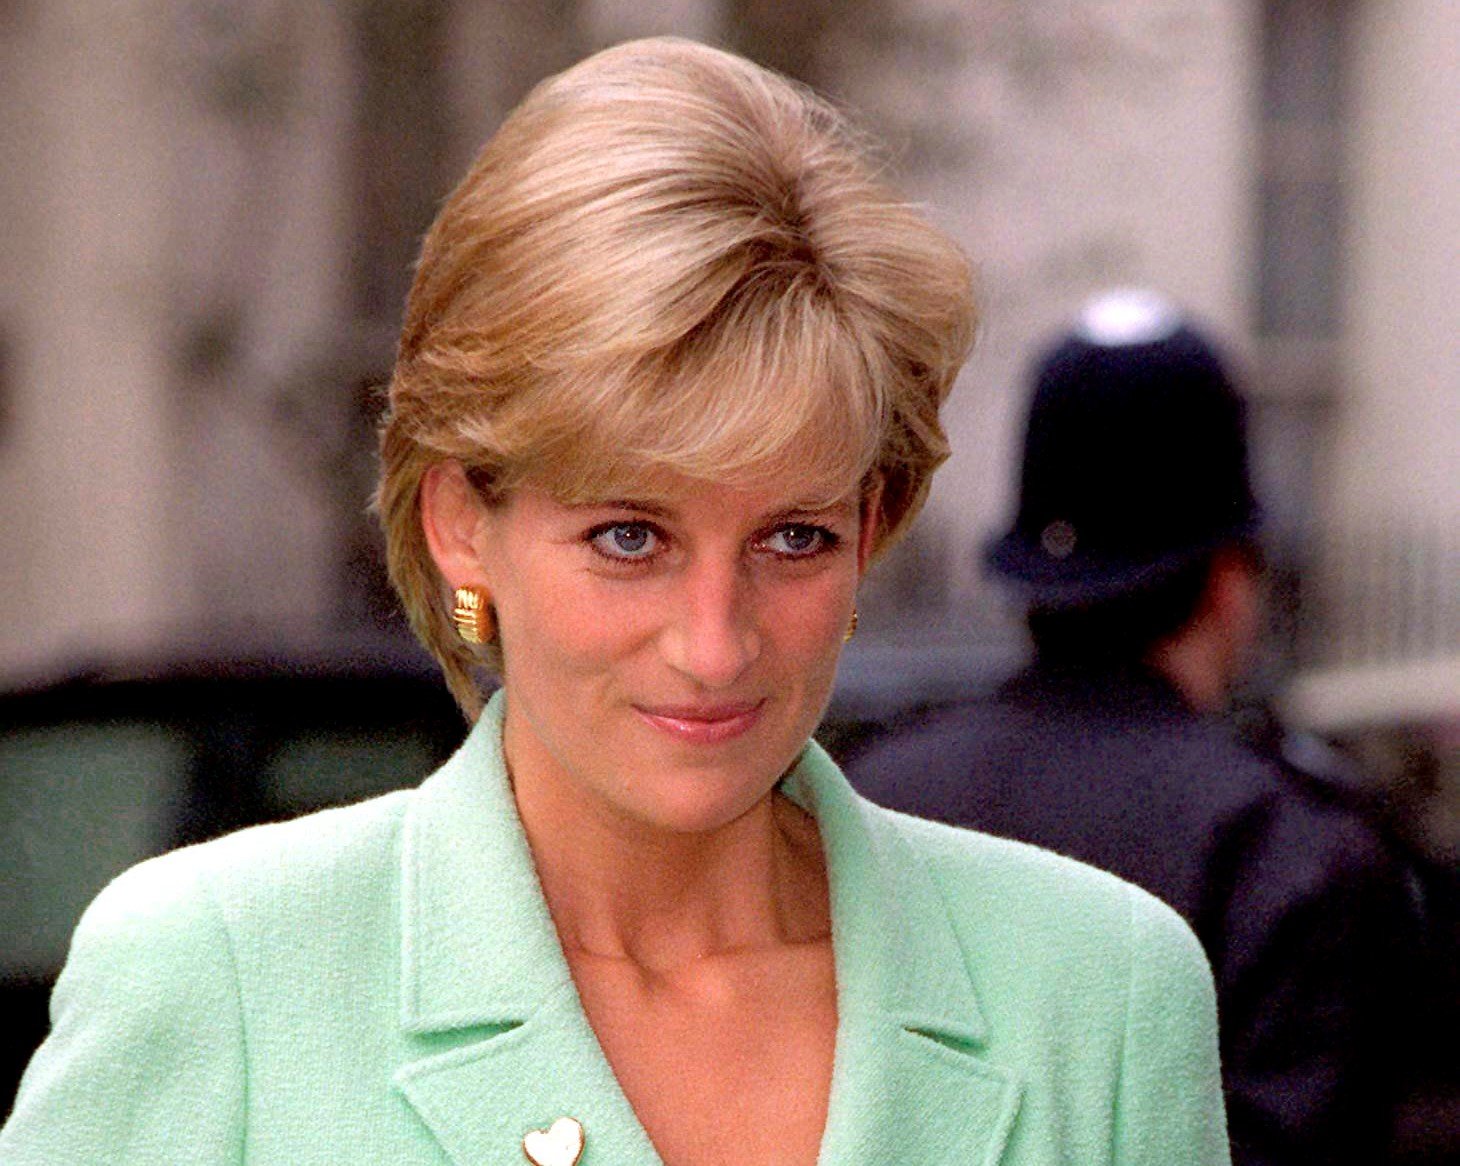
(560, 1144)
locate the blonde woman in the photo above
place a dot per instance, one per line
(669, 381)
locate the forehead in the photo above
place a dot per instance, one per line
(810, 468)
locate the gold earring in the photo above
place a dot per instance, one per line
(851, 627)
(472, 615)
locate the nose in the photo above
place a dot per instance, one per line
(713, 635)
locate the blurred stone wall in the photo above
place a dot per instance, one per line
(212, 206)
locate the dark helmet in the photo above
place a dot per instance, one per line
(1135, 457)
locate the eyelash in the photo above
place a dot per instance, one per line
(595, 538)
(826, 541)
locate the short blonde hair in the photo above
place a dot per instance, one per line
(668, 257)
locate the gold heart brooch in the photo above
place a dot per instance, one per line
(560, 1144)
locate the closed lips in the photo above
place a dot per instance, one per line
(700, 722)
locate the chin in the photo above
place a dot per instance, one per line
(702, 798)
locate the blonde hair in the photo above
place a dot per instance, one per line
(668, 258)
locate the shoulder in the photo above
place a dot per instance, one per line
(170, 967)
(261, 858)
(1008, 895)
(252, 876)
(162, 954)
(1073, 965)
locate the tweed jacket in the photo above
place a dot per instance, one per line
(382, 983)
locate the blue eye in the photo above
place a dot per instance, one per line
(799, 540)
(624, 540)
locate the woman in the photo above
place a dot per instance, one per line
(669, 380)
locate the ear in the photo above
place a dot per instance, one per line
(451, 516)
(1233, 598)
(1233, 587)
(870, 529)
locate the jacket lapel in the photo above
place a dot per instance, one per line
(486, 995)
(911, 1082)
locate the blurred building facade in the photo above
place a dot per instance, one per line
(212, 207)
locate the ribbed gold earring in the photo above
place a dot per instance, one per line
(851, 626)
(472, 615)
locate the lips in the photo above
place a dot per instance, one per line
(702, 724)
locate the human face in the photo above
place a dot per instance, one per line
(667, 658)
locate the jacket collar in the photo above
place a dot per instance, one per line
(478, 946)
(911, 1083)
(1127, 689)
(486, 990)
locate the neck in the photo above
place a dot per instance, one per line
(1196, 665)
(621, 890)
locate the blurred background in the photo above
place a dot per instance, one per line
(210, 209)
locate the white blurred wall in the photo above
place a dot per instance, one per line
(142, 501)
(1389, 515)
(87, 474)
(1398, 436)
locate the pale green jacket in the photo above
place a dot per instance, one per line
(382, 984)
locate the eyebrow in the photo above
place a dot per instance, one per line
(644, 507)
(817, 511)
(660, 510)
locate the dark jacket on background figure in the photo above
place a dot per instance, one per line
(1303, 910)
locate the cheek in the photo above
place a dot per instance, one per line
(566, 624)
(810, 623)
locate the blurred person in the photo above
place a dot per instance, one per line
(1135, 549)
(669, 379)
